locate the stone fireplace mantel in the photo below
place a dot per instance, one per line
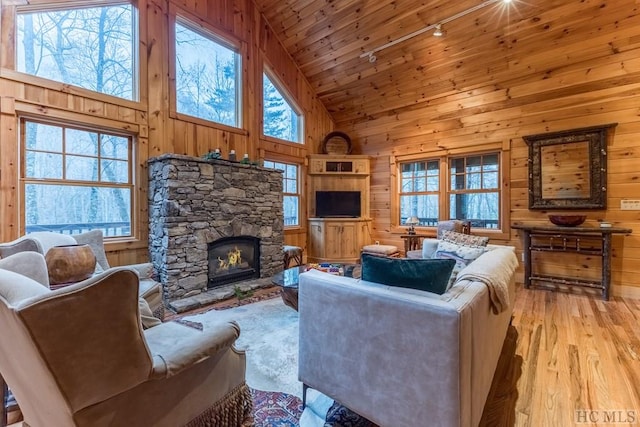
(193, 202)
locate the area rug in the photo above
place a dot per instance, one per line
(269, 336)
(275, 409)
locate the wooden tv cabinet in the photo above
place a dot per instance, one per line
(338, 239)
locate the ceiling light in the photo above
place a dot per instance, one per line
(437, 27)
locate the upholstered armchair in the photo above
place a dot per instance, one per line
(42, 241)
(79, 356)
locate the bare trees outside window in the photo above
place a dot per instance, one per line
(76, 179)
(280, 119)
(207, 76)
(420, 191)
(291, 190)
(474, 192)
(90, 47)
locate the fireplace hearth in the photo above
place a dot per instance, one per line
(232, 259)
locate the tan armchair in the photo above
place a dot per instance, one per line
(150, 289)
(78, 356)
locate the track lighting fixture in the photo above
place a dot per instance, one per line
(436, 27)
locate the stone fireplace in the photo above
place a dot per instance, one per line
(212, 222)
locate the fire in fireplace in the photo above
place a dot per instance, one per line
(232, 259)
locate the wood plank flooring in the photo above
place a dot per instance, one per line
(568, 360)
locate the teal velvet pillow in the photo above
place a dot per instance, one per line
(430, 275)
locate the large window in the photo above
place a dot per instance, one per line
(91, 47)
(474, 191)
(419, 191)
(207, 76)
(469, 189)
(76, 179)
(281, 120)
(291, 190)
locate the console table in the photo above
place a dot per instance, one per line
(568, 239)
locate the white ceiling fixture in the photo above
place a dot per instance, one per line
(437, 26)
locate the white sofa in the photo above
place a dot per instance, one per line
(402, 357)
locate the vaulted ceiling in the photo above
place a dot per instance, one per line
(486, 50)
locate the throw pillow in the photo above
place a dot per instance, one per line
(429, 275)
(146, 315)
(464, 239)
(463, 255)
(15, 287)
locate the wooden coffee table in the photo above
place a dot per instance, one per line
(288, 280)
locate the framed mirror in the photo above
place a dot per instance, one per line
(568, 169)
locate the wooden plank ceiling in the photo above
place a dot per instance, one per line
(326, 39)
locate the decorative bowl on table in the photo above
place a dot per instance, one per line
(567, 220)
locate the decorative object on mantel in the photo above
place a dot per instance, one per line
(568, 169)
(336, 143)
(70, 263)
(245, 159)
(567, 220)
(212, 155)
(232, 155)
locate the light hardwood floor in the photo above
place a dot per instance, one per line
(568, 360)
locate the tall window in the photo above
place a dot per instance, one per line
(207, 76)
(281, 120)
(471, 191)
(291, 190)
(76, 179)
(420, 191)
(474, 192)
(91, 47)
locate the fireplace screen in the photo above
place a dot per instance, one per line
(232, 259)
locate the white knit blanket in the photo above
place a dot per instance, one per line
(494, 268)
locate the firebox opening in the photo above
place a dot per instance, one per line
(232, 259)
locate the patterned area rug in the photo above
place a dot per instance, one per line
(275, 409)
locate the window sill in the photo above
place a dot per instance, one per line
(275, 140)
(208, 123)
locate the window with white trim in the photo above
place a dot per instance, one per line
(208, 75)
(469, 189)
(94, 47)
(76, 179)
(291, 191)
(281, 119)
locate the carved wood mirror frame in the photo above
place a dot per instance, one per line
(596, 197)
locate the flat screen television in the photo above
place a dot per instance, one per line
(338, 204)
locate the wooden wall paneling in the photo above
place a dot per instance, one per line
(7, 31)
(9, 208)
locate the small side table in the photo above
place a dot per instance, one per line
(412, 242)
